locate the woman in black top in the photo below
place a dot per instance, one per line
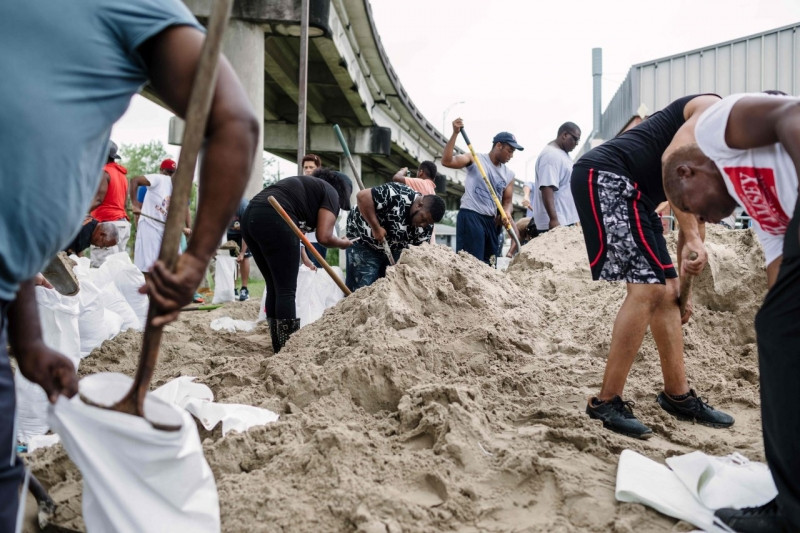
(312, 203)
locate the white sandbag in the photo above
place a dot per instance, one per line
(42, 441)
(224, 279)
(642, 480)
(136, 478)
(114, 300)
(694, 486)
(128, 280)
(316, 291)
(112, 322)
(58, 316)
(730, 481)
(197, 399)
(231, 325)
(91, 321)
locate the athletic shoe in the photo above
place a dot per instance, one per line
(765, 519)
(236, 292)
(197, 298)
(694, 409)
(244, 294)
(617, 415)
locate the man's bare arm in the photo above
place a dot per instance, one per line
(102, 189)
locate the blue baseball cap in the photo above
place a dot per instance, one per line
(508, 138)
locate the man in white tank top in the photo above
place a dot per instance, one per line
(746, 149)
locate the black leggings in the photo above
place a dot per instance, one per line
(276, 251)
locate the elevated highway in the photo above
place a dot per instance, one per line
(351, 82)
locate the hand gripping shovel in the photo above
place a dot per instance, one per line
(504, 218)
(196, 115)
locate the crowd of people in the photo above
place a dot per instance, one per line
(703, 154)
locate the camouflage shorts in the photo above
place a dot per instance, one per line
(623, 234)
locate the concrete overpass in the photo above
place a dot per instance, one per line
(350, 82)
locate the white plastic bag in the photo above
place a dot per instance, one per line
(231, 325)
(91, 321)
(128, 280)
(136, 478)
(58, 316)
(114, 300)
(197, 399)
(316, 291)
(224, 279)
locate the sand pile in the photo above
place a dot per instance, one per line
(449, 397)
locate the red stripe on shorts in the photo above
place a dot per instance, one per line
(596, 219)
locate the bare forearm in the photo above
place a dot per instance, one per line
(24, 329)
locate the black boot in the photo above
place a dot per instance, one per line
(273, 333)
(284, 327)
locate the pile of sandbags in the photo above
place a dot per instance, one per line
(108, 303)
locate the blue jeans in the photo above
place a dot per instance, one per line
(322, 251)
(476, 234)
(365, 265)
(11, 469)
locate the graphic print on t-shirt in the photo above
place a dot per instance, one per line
(483, 193)
(759, 195)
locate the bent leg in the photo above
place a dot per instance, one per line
(627, 335)
(666, 328)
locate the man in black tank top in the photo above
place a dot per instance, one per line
(616, 188)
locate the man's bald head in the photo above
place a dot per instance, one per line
(105, 235)
(693, 184)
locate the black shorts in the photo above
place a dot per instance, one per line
(237, 238)
(624, 236)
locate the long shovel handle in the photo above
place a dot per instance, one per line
(286, 218)
(196, 118)
(503, 217)
(349, 157)
(686, 287)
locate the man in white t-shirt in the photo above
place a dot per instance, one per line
(153, 214)
(746, 149)
(553, 205)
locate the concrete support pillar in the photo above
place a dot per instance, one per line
(243, 45)
(344, 166)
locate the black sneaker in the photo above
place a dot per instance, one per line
(244, 294)
(765, 519)
(617, 415)
(694, 409)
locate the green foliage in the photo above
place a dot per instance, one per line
(272, 171)
(144, 158)
(333, 257)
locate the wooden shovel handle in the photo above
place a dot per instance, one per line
(286, 218)
(686, 287)
(196, 118)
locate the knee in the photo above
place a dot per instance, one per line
(650, 296)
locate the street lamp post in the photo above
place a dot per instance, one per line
(444, 115)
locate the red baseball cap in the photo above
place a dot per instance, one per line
(168, 164)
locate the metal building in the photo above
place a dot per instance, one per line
(768, 60)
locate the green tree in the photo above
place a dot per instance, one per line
(143, 158)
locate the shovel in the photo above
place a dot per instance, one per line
(196, 116)
(504, 218)
(60, 275)
(286, 218)
(686, 287)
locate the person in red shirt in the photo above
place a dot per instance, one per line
(109, 205)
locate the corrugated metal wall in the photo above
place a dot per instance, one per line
(756, 63)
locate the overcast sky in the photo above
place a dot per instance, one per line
(525, 66)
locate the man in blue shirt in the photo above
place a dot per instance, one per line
(70, 70)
